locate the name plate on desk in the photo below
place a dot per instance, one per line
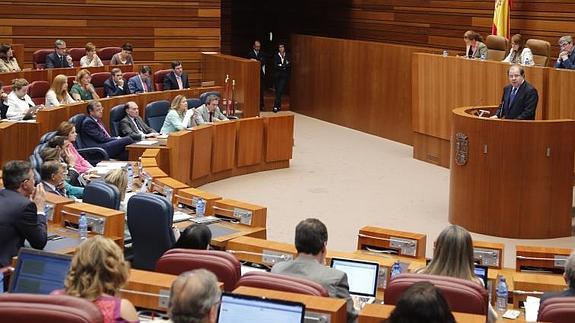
(487, 257)
(559, 261)
(271, 257)
(407, 246)
(245, 216)
(317, 317)
(96, 223)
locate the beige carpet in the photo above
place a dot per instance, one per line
(350, 179)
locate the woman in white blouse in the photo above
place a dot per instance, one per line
(58, 93)
(20, 105)
(90, 59)
(519, 54)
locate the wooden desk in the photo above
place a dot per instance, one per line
(488, 253)
(148, 289)
(376, 313)
(535, 284)
(153, 172)
(552, 259)
(29, 75)
(162, 159)
(247, 214)
(17, 140)
(541, 189)
(107, 222)
(221, 242)
(160, 184)
(406, 244)
(334, 307)
(56, 203)
(50, 118)
(189, 197)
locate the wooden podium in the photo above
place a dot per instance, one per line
(511, 178)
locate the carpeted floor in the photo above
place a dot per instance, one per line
(349, 179)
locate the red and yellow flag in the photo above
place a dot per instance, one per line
(501, 18)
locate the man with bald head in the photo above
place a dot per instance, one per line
(132, 124)
(519, 99)
(194, 297)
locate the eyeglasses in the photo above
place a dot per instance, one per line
(563, 44)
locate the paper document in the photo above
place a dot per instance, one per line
(147, 142)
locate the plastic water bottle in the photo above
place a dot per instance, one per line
(83, 226)
(395, 269)
(445, 53)
(130, 170)
(482, 57)
(502, 293)
(200, 208)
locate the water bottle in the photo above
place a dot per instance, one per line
(445, 53)
(146, 185)
(200, 208)
(130, 170)
(501, 300)
(395, 269)
(83, 226)
(482, 57)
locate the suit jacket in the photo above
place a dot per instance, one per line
(94, 136)
(19, 221)
(170, 82)
(128, 128)
(569, 63)
(135, 84)
(570, 292)
(261, 57)
(481, 50)
(333, 280)
(110, 88)
(523, 106)
(203, 115)
(49, 189)
(53, 61)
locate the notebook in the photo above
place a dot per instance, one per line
(39, 272)
(361, 277)
(236, 308)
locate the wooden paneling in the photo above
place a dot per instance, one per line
(250, 135)
(223, 146)
(194, 25)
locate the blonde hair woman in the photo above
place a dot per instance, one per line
(179, 117)
(119, 178)
(58, 92)
(90, 59)
(83, 89)
(97, 273)
(519, 54)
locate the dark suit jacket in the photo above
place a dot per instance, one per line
(110, 88)
(566, 293)
(127, 127)
(94, 136)
(18, 222)
(282, 69)
(261, 57)
(53, 61)
(135, 85)
(170, 82)
(569, 63)
(523, 106)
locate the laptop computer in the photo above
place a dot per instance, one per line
(481, 272)
(361, 277)
(236, 308)
(39, 272)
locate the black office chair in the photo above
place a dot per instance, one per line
(3, 110)
(93, 155)
(102, 194)
(156, 114)
(204, 96)
(36, 162)
(116, 115)
(47, 137)
(193, 103)
(150, 223)
(38, 149)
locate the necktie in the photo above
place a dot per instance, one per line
(513, 94)
(211, 116)
(103, 129)
(136, 124)
(144, 86)
(180, 84)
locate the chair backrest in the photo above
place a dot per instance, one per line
(204, 96)
(557, 310)
(541, 50)
(37, 91)
(282, 283)
(127, 75)
(47, 137)
(106, 53)
(150, 223)
(193, 103)
(39, 148)
(76, 54)
(39, 58)
(117, 113)
(71, 80)
(496, 47)
(98, 80)
(36, 162)
(48, 309)
(102, 194)
(461, 295)
(156, 113)
(224, 265)
(159, 79)
(78, 120)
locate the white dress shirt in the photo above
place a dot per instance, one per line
(17, 107)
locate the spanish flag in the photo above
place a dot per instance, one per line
(501, 18)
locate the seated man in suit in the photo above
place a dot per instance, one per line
(141, 83)
(53, 177)
(311, 245)
(569, 276)
(59, 58)
(95, 134)
(209, 111)
(566, 57)
(115, 85)
(519, 99)
(22, 214)
(176, 79)
(194, 295)
(132, 124)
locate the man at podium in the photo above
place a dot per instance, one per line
(519, 99)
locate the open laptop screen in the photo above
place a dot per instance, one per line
(39, 272)
(481, 272)
(361, 275)
(235, 308)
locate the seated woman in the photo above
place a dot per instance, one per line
(90, 59)
(58, 92)
(195, 236)
(55, 154)
(453, 257)
(76, 178)
(124, 57)
(82, 88)
(422, 302)
(474, 46)
(179, 117)
(68, 130)
(119, 178)
(20, 104)
(97, 272)
(8, 62)
(519, 54)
